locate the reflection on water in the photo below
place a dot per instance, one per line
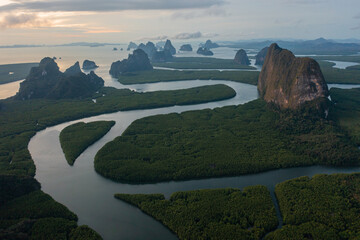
(9, 89)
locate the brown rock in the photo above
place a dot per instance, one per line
(289, 81)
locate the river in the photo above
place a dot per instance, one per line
(90, 195)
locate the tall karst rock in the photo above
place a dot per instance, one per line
(289, 81)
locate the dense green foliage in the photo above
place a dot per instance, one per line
(52, 228)
(75, 138)
(34, 205)
(12, 186)
(346, 111)
(222, 142)
(202, 63)
(250, 77)
(20, 70)
(339, 58)
(336, 75)
(330, 200)
(309, 230)
(84, 233)
(211, 214)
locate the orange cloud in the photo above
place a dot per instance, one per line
(24, 20)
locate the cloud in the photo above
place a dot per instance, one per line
(181, 36)
(156, 38)
(213, 11)
(106, 5)
(194, 35)
(23, 20)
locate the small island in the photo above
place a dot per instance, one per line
(75, 138)
(241, 57)
(204, 51)
(138, 61)
(89, 65)
(186, 48)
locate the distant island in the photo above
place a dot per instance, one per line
(89, 65)
(186, 48)
(204, 51)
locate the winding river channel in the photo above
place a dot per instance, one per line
(90, 195)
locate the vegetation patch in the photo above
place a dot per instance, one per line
(249, 77)
(337, 75)
(332, 202)
(226, 141)
(202, 63)
(346, 111)
(75, 138)
(211, 214)
(15, 72)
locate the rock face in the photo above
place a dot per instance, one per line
(241, 57)
(88, 65)
(132, 45)
(169, 47)
(73, 70)
(138, 61)
(260, 57)
(186, 48)
(204, 51)
(149, 48)
(46, 81)
(209, 44)
(162, 56)
(288, 81)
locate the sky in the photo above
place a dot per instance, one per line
(121, 21)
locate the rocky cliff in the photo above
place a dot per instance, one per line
(204, 51)
(73, 70)
(241, 57)
(162, 56)
(169, 47)
(149, 48)
(209, 44)
(260, 57)
(46, 81)
(132, 45)
(288, 81)
(138, 61)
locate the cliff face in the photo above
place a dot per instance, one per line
(138, 61)
(260, 57)
(288, 81)
(73, 70)
(241, 57)
(204, 51)
(46, 81)
(162, 56)
(149, 48)
(209, 44)
(169, 47)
